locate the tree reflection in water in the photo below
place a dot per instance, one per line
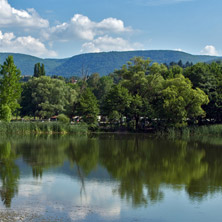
(9, 174)
(141, 165)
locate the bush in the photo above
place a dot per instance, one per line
(63, 118)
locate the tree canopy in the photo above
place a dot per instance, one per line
(10, 89)
(44, 97)
(137, 94)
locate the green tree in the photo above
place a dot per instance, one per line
(103, 87)
(208, 77)
(5, 113)
(133, 78)
(161, 69)
(10, 89)
(118, 99)
(44, 97)
(140, 79)
(180, 101)
(87, 107)
(93, 80)
(39, 70)
(134, 75)
(175, 70)
(135, 110)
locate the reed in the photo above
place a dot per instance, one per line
(187, 132)
(25, 128)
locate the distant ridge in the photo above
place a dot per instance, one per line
(26, 62)
(103, 63)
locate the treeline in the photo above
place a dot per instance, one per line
(137, 96)
(180, 63)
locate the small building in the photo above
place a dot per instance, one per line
(53, 118)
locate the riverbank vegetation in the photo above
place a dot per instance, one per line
(141, 96)
(26, 128)
(191, 131)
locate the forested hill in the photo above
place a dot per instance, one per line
(102, 63)
(26, 63)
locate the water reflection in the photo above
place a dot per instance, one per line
(141, 166)
(9, 173)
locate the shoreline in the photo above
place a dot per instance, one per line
(59, 128)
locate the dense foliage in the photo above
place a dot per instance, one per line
(163, 95)
(44, 97)
(138, 96)
(10, 89)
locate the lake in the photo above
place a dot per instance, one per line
(110, 177)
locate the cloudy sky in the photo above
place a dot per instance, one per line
(55, 28)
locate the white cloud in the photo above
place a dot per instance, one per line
(81, 27)
(26, 44)
(96, 202)
(179, 50)
(113, 25)
(99, 36)
(107, 43)
(26, 190)
(209, 50)
(10, 16)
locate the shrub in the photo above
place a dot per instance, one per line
(63, 118)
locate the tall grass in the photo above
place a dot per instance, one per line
(187, 132)
(208, 130)
(25, 128)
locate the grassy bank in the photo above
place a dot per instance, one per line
(197, 131)
(26, 128)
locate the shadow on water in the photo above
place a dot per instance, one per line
(141, 165)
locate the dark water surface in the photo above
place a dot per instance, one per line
(110, 178)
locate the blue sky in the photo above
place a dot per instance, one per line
(55, 28)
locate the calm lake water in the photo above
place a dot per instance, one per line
(110, 178)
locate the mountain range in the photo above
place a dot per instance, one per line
(102, 63)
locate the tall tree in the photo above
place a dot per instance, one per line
(180, 102)
(43, 70)
(39, 70)
(134, 75)
(10, 89)
(93, 80)
(117, 101)
(208, 77)
(104, 85)
(132, 89)
(87, 107)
